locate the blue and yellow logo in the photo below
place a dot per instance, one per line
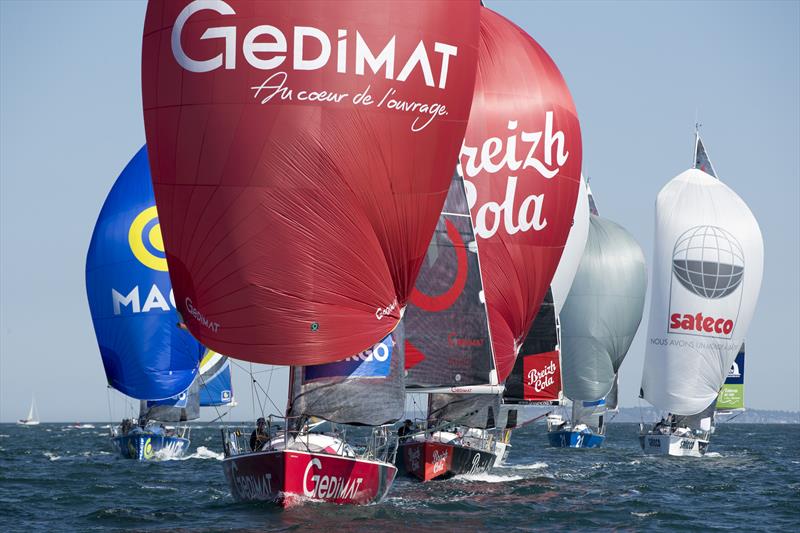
(145, 240)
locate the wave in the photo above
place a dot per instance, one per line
(644, 515)
(713, 454)
(533, 466)
(52, 456)
(201, 453)
(487, 478)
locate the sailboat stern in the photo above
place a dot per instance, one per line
(677, 446)
(428, 460)
(288, 478)
(575, 439)
(147, 446)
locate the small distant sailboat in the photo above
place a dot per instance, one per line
(33, 415)
(708, 265)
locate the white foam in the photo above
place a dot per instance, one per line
(644, 515)
(713, 454)
(533, 466)
(201, 453)
(52, 456)
(487, 478)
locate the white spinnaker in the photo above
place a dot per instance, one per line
(573, 249)
(708, 264)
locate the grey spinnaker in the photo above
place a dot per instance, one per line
(603, 310)
(363, 390)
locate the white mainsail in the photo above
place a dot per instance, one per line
(707, 270)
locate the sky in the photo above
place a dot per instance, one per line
(640, 74)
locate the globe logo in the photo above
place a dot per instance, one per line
(708, 261)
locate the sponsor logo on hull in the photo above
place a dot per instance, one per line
(286, 477)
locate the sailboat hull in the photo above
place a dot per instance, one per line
(148, 446)
(28, 422)
(428, 460)
(674, 445)
(290, 477)
(575, 439)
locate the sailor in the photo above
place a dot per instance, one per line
(405, 430)
(259, 436)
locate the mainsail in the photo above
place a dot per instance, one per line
(365, 389)
(295, 219)
(180, 408)
(145, 354)
(707, 270)
(446, 329)
(521, 195)
(603, 311)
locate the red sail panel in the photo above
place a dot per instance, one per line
(301, 153)
(521, 160)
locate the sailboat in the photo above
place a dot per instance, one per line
(449, 354)
(295, 227)
(598, 323)
(145, 354)
(708, 265)
(33, 415)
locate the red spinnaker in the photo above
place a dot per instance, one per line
(521, 161)
(301, 153)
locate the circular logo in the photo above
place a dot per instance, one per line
(708, 261)
(145, 240)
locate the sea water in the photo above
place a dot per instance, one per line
(53, 478)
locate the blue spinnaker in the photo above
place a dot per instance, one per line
(145, 354)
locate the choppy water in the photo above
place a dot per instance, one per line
(53, 478)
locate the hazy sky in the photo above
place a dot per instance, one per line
(70, 113)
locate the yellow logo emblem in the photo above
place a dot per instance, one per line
(137, 239)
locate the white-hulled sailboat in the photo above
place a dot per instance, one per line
(707, 270)
(33, 415)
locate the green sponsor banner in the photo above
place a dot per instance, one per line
(731, 397)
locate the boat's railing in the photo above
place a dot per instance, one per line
(380, 445)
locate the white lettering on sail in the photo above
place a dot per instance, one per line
(267, 55)
(541, 379)
(197, 315)
(494, 156)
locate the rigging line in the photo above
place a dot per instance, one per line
(252, 393)
(267, 396)
(108, 400)
(203, 383)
